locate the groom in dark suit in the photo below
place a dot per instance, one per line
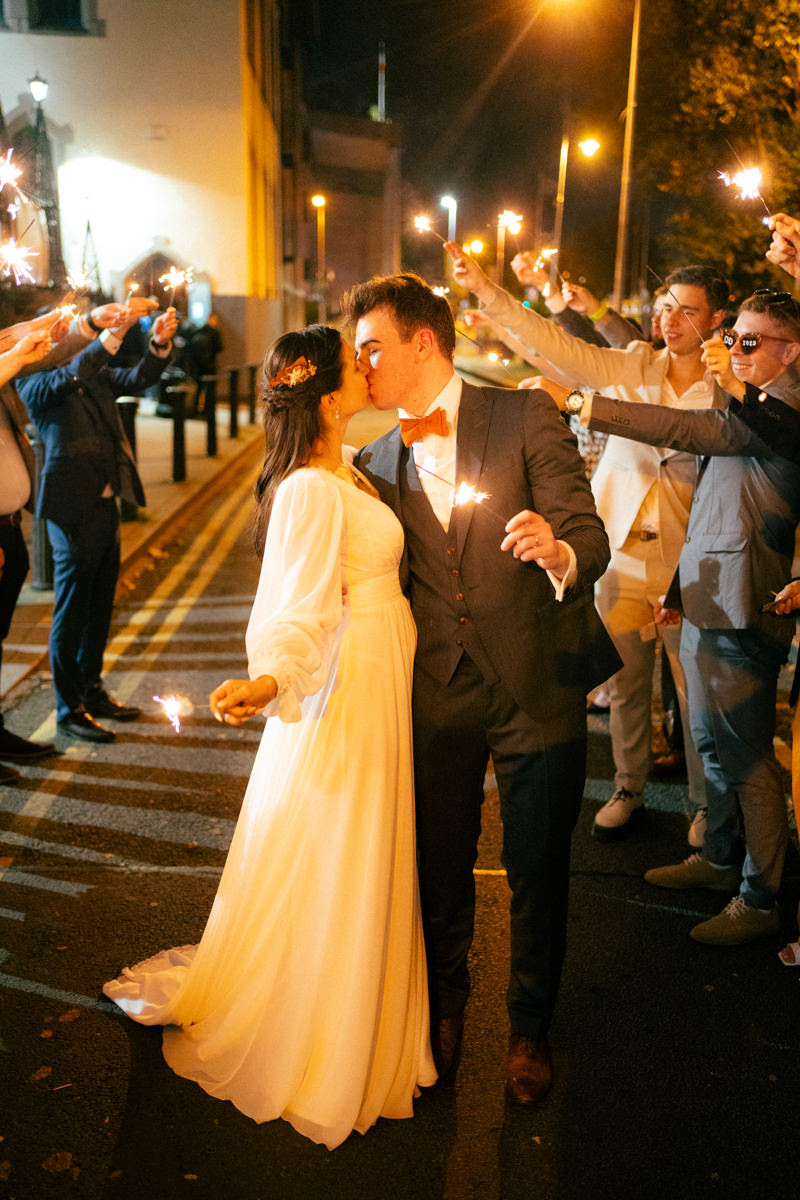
(509, 643)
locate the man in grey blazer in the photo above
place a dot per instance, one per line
(737, 554)
(509, 643)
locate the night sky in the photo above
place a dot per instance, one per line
(480, 88)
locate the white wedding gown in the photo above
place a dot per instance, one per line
(307, 996)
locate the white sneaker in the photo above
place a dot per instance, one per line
(613, 819)
(697, 829)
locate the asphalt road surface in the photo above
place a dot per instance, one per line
(677, 1068)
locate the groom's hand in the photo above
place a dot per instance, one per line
(530, 538)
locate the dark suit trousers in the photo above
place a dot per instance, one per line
(13, 576)
(85, 572)
(540, 769)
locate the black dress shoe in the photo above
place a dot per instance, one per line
(82, 725)
(7, 774)
(530, 1071)
(17, 749)
(103, 706)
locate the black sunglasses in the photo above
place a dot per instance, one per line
(748, 341)
(771, 298)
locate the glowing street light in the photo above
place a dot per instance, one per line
(512, 222)
(322, 308)
(451, 205)
(38, 88)
(588, 147)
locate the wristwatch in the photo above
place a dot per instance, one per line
(574, 402)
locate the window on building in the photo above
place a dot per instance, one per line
(59, 14)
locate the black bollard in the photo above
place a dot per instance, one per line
(177, 396)
(210, 384)
(42, 565)
(127, 406)
(233, 400)
(253, 369)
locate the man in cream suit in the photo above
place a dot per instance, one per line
(509, 644)
(643, 495)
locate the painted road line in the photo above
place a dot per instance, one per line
(44, 883)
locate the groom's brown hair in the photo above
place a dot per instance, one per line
(413, 304)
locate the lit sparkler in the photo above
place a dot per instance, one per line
(423, 225)
(175, 707)
(133, 288)
(175, 279)
(748, 181)
(67, 311)
(14, 261)
(465, 493)
(492, 356)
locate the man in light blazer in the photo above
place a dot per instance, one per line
(643, 494)
(737, 554)
(509, 644)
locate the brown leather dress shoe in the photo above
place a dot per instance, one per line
(530, 1070)
(446, 1045)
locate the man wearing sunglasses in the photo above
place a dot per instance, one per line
(738, 552)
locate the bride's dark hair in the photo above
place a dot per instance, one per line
(291, 409)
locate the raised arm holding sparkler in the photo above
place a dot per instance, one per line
(784, 249)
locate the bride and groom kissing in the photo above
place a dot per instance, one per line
(308, 995)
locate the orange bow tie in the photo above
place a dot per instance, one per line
(413, 428)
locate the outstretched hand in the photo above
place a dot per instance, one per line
(466, 271)
(530, 538)
(786, 601)
(236, 700)
(784, 249)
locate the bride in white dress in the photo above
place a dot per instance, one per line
(307, 996)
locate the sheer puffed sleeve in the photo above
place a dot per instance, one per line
(294, 626)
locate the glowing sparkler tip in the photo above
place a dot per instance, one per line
(465, 493)
(175, 707)
(174, 278)
(422, 224)
(14, 261)
(747, 181)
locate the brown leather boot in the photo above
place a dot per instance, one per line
(530, 1070)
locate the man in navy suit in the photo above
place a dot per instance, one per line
(88, 464)
(509, 644)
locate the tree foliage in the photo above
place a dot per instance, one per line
(725, 95)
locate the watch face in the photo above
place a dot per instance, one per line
(574, 402)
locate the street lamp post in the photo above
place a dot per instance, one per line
(44, 182)
(627, 154)
(588, 147)
(322, 306)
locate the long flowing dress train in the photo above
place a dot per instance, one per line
(306, 997)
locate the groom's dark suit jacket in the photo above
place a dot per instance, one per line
(515, 446)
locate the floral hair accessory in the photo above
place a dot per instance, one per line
(297, 372)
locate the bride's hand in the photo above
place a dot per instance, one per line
(236, 700)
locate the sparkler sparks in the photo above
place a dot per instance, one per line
(175, 707)
(174, 279)
(748, 181)
(423, 225)
(78, 280)
(466, 493)
(14, 261)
